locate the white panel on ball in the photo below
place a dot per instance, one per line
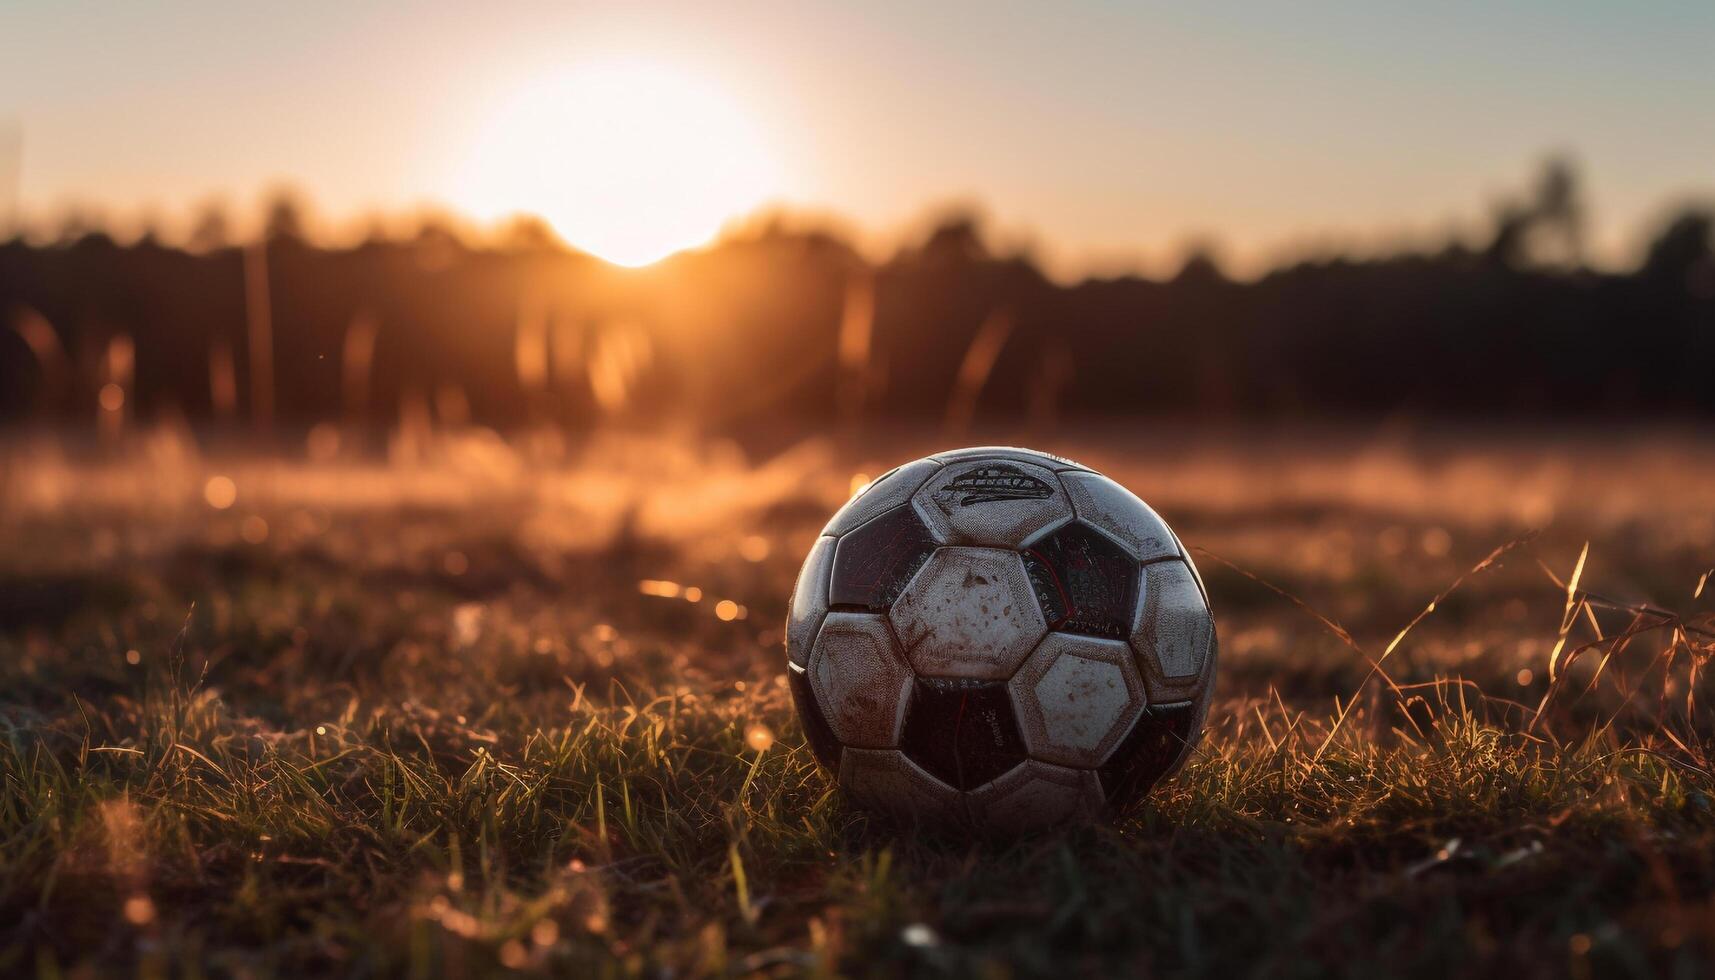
(1076, 697)
(1036, 796)
(994, 502)
(1053, 462)
(860, 680)
(970, 612)
(809, 600)
(1173, 626)
(885, 780)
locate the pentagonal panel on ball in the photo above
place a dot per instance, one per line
(859, 679)
(1084, 581)
(872, 563)
(1037, 796)
(886, 781)
(998, 502)
(1154, 749)
(1104, 504)
(1173, 631)
(891, 489)
(962, 731)
(970, 612)
(1076, 697)
(809, 601)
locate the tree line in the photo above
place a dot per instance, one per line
(790, 323)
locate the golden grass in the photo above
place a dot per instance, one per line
(444, 715)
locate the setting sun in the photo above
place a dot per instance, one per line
(630, 161)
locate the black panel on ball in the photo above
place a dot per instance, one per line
(816, 730)
(1148, 752)
(962, 731)
(1085, 582)
(874, 562)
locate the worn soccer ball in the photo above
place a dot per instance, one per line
(999, 639)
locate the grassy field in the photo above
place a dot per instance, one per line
(520, 706)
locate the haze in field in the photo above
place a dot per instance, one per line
(1110, 134)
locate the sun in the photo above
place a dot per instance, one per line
(630, 161)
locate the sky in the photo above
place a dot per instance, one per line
(1106, 136)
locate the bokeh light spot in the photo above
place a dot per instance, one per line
(254, 530)
(220, 492)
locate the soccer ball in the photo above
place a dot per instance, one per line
(999, 639)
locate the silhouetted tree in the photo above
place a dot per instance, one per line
(1548, 227)
(211, 230)
(1200, 267)
(957, 238)
(1682, 250)
(528, 233)
(283, 215)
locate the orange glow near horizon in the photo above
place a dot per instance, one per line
(630, 161)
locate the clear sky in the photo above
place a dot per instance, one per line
(1110, 134)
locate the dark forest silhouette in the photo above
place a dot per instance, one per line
(783, 322)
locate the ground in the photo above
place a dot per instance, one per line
(471, 705)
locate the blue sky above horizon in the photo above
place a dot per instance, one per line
(1108, 134)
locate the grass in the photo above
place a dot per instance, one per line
(423, 721)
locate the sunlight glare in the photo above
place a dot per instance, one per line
(631, 161)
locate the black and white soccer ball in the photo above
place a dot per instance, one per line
(1002, 639)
